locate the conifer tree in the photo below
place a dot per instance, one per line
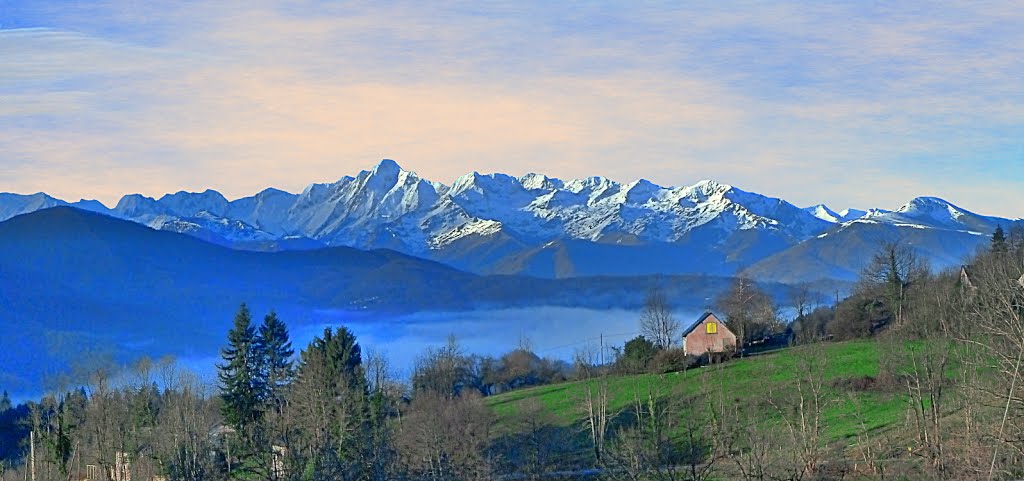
(240, 378)
(274, 349)
(999, 240)
(343, 357)
(5, 402)
(329, 400)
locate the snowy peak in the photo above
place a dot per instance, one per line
(593, 184)
(533, 181)
(383, 177)
(822, 212)
(475, 181)
(933, 213)
(267, 210)
(933, 210)
(851, 214)
(705, 190)
(139, 207)
(190, 203)
(387, 168)
(934, 207)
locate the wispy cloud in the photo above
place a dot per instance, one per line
(847, 103)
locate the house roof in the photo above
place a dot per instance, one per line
(698, 322)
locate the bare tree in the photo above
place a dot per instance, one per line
(801, 406)
(538, 446)
(671, 437)
(893, 269)
(185, 421)
(593, 403)
(995, 310)
(656, 320)
(803, 299)
(749, 311)
(443, 370)
(447, 438)
(378, 370)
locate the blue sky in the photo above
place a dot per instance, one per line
(855, 104)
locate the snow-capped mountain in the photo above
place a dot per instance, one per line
(534, 224)
(941, 233)
(188, 203)
(822, 212)
(933, 212)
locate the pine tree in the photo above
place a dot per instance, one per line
(5, 402)
(999, 240)
(240, 378)
(330, 400)
(274, 350)
(343, 357)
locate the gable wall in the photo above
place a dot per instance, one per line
(699, 341)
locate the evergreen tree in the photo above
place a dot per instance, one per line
(330, 401)
(275, 352)
(999, 240)
(5, 402)
(240, 377)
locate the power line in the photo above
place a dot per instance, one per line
(592, 339)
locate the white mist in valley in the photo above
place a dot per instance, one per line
(555, 332)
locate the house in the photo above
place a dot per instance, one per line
(708, 335)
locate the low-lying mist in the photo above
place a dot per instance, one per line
(555, 332)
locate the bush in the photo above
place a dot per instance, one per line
(886, 382)
(671, 360)
(859, 316)
(636, 356)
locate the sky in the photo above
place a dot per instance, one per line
(854, 104)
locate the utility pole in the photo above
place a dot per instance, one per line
(602, 349)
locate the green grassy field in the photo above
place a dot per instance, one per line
(749, 380)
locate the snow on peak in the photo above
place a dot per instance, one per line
(465, 182)
(708, 188)
(849, 214)
(533, 181)
(933, 209)
(484, 184)
(133, 205)
(189, 203)
(641, 191)
(822, 212)
(595, 183)
(927, 204)
(387, 168)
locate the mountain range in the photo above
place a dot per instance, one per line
(545, 227)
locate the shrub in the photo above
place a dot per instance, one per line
(671, 360)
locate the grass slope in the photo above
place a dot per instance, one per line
(750, 380)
